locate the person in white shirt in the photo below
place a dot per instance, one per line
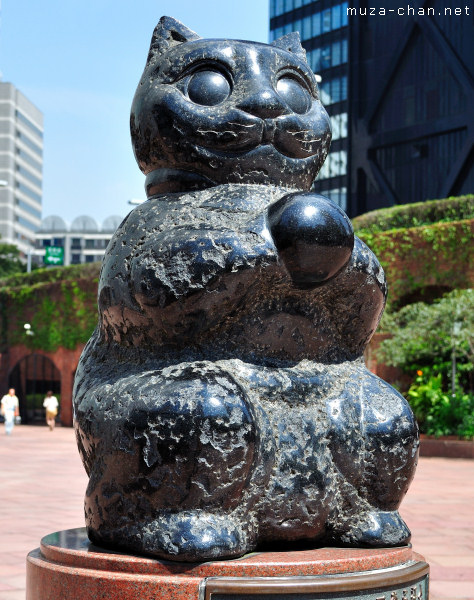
(10, 408)
(51, 404)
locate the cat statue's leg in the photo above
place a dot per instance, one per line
(172, 458)
(374, 443)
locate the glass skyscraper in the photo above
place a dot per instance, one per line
(323, 28)
(398, 85)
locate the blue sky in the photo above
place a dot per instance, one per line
(79, 62)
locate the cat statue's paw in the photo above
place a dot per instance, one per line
(378, 528)
(187, 536)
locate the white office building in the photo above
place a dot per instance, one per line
(21, 168)
(82, 242)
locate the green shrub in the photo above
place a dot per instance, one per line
(437, 411)
(424, 339)
(10, 262)
(414, 215)
(422, 334)
(51, 274)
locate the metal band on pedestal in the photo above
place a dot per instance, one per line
(405, 582)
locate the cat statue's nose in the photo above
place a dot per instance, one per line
(264, 104)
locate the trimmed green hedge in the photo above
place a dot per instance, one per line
(51, 275)
(423, 245)
(415, 258)
(406, 216)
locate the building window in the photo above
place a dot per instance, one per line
(76, 243)
(344, 88)
(336, 55)
(25, 206)
(314, 59)
(275, 34)
(333, 90)
(28, 175)
(90, 244)
(345, 50)
(344, 21)
(28, 191)
(26, 223)
(334, 165)
(339, 126)
(58, 242)
(314, 25)
(326, 20)
(277, 7)
(306, 32)
(337, 195)
(336, 90)
(337, 163)
(75, 259)
(325, 92)
(31, 145)
(336, 16)
(90, 258)
(325, 58)
(27, 158)
(329, 56)
(25, 121)
(46, 243)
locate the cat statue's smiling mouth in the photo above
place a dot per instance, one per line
(261, 133)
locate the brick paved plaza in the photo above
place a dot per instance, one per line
(42, 484)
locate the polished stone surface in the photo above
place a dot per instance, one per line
(223, 405)
(68, 566)
(313, 236)
(72, 547)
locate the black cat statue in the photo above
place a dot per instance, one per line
(223, 404)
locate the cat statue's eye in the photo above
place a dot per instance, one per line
(294, 95)
(208, 88)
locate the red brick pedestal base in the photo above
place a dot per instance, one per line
(68, 567)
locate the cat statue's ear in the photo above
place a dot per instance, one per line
(169, 33)
(291, 43)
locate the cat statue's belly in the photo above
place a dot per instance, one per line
(221, 404)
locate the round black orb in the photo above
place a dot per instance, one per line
(314, 237)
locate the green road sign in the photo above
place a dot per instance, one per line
(54, 255)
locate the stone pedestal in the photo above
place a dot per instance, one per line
(68, 567)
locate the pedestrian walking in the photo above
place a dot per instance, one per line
(10, 408)
(51, 404)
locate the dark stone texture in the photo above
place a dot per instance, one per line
(223, 403)
(313, 236)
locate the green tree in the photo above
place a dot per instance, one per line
(425, 334)
(435, 344)
(10, 262)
